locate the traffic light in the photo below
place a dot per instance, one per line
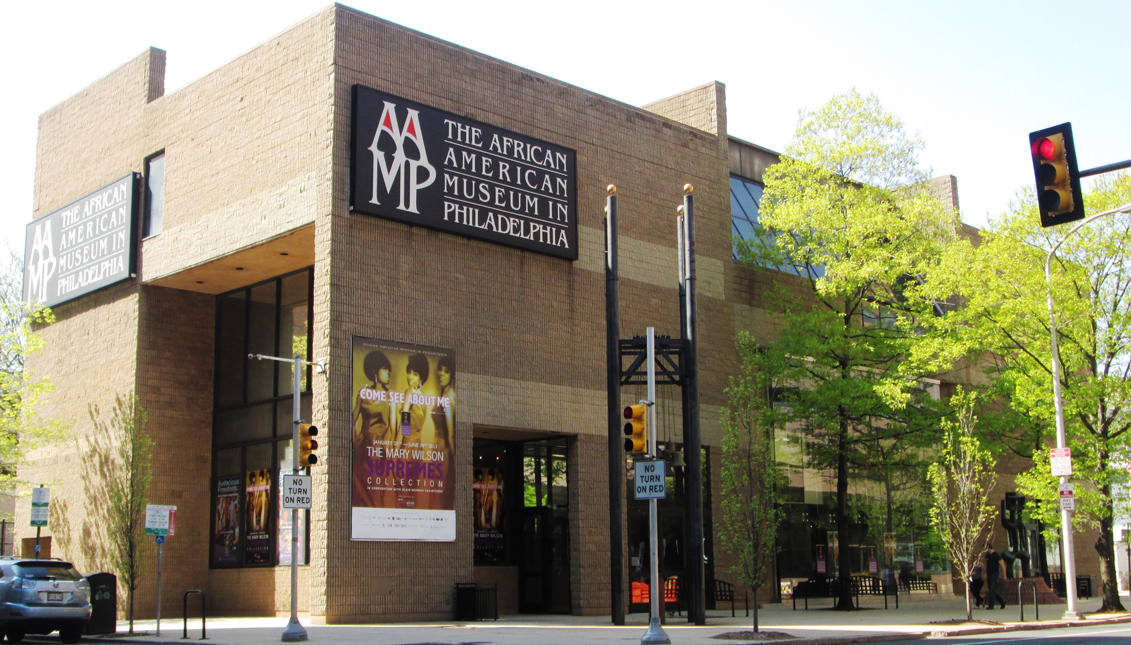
(307, 444)
(636, 429)
(1058, 179)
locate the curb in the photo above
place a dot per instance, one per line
(1024, 627)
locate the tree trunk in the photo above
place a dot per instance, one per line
(969, 606)
(754, 593)
(844, 561)
(1105, 546)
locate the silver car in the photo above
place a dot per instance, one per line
(41, 596)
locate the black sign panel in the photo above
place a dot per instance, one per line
(427, 167)
(84, 246)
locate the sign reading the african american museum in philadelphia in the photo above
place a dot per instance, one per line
(427, 167)
(84, 246)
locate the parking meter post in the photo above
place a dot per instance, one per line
(295, 630)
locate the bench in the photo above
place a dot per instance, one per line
(720, 591)
(922, 585)
(724, 591)
(872, 586)
(860, 586)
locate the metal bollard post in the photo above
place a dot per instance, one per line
(184, 610)
(1021, 599)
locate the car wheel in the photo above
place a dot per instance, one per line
(15, 635)
(70, 634)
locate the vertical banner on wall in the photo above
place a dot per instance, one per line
(403, 400)
(226, 536)
(487, 490)
(257, 544)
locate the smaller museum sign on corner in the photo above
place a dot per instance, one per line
(426, 167)
(83, 246)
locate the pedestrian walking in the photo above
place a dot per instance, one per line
(995, 573)
(976, 582)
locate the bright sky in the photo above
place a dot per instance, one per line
(973, 77)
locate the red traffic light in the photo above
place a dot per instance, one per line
(1044, 148)
(1059, 197)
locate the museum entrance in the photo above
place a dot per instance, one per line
(522, 529)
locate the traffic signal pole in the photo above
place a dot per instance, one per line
(294, 630)
(1061, 438)
(655, 633)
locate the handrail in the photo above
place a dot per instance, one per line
(1021, 600)
(184, 610)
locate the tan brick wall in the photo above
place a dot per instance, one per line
(527, 330)
(89, 358)
(260, 147)
(174, 383)
(246, 150)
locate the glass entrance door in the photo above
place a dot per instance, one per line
(544, 584)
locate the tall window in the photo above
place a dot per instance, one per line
(252, 419)
(154, 194)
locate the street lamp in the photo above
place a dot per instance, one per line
(1061, 441)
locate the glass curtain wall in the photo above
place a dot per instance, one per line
(252, 419)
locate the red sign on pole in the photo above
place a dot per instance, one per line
(1060, 459)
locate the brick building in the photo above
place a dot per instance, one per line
(249, 240)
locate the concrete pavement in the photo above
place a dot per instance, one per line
(916, 617)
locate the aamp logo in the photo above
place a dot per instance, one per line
(407, 167)
(40, 264)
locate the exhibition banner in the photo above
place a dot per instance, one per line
(403, 399)
(487, 491)
(226, 531)
(257, 544)
(427, 167)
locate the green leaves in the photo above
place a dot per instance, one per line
(961, 481)
(749, 477)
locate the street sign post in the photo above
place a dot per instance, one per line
(158, 518)
(296, 491)
(655, 633)
(650, 480)
(40, 509)
(1067, 497)
(1060, 459)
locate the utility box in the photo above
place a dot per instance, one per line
(103, 603)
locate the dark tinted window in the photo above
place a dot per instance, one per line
(54, 571)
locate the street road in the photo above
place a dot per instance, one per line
(1112, 635)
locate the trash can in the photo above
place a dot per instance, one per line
(476, 602)
(1083, 586)
(103, 603)
(465, 601)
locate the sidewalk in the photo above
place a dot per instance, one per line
(871, 624)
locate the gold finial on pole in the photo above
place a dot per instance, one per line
(687, 188)
(612, 188)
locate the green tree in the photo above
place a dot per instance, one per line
(21, 430)
(1005, 319)
(118, 471)
(751, 512)
(847, 212)
(961, 481)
